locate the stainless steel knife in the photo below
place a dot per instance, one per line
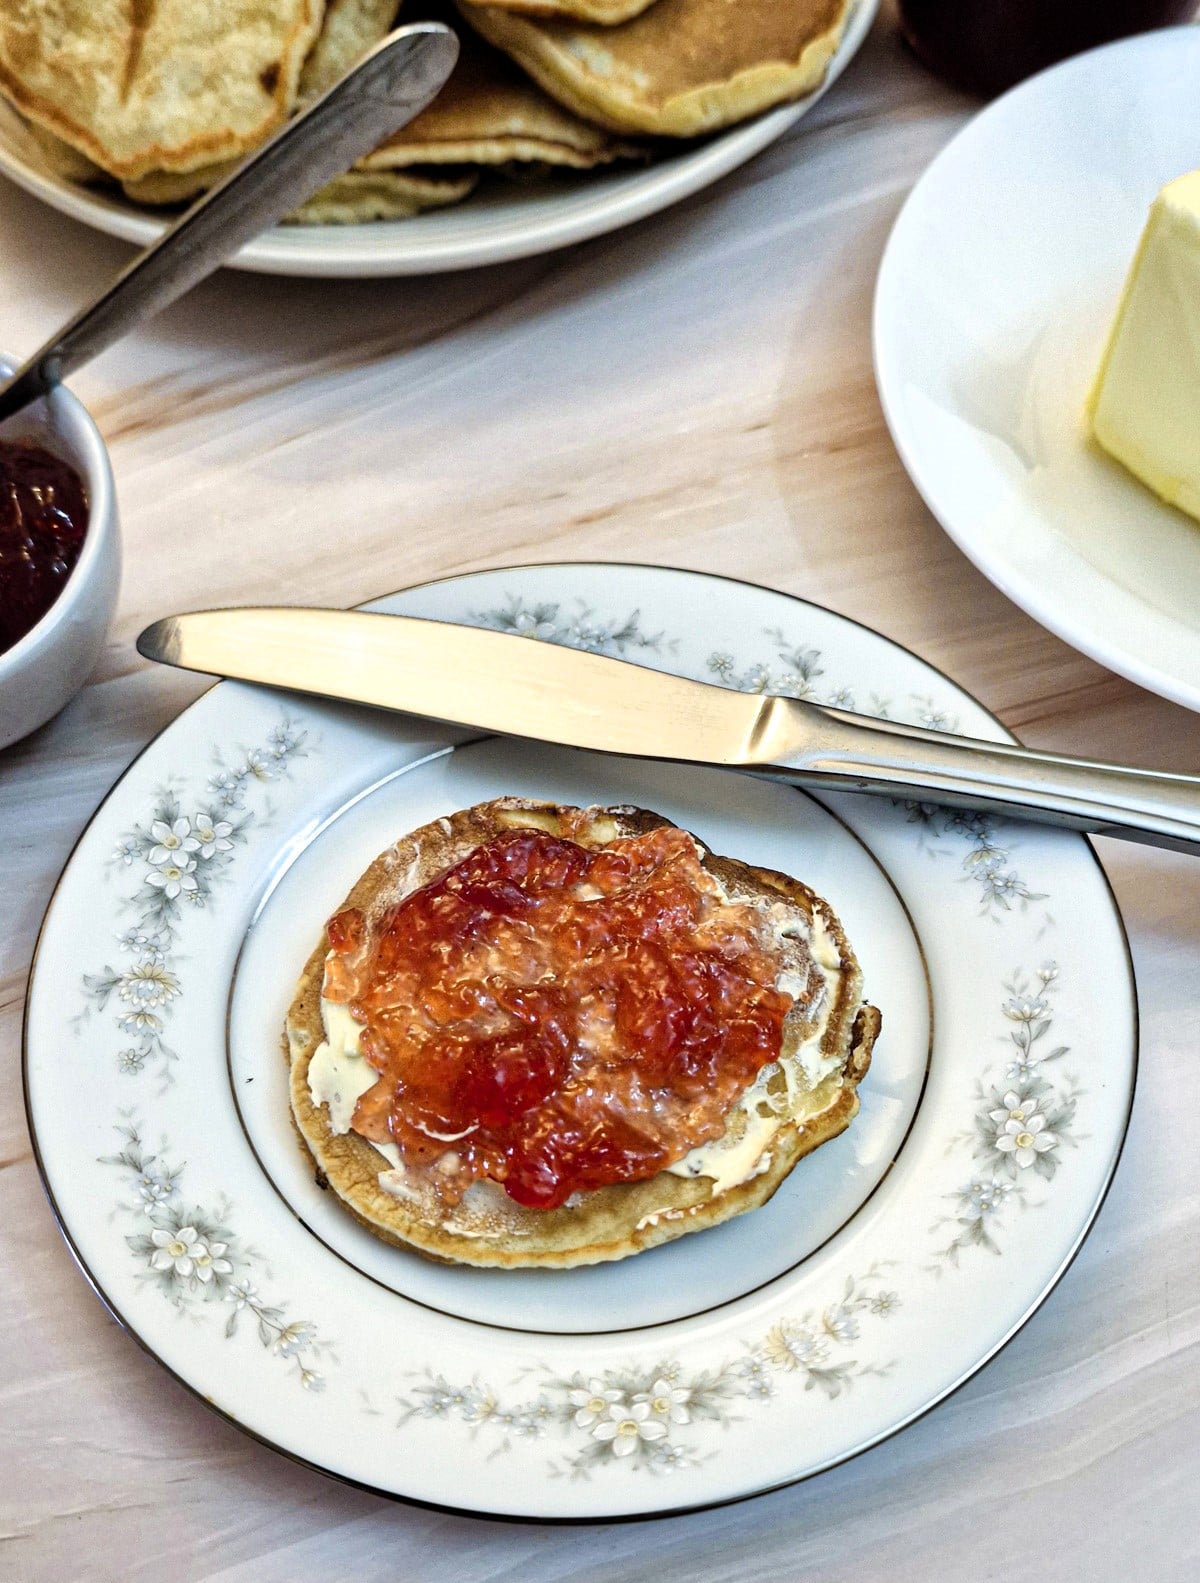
(511, 685)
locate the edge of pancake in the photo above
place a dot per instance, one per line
(608, 13)
(356, 197)
(364, 195)
(349, 29)
(609, 1223)
(500, 151)
(706, 108)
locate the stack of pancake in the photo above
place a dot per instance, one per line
(164, 96)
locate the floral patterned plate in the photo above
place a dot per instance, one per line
(889, 1267)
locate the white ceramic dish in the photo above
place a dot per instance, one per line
(496, 225)
(994, 300)
(888, 1268)
(53, 660)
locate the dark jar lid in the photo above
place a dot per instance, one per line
(985, 46)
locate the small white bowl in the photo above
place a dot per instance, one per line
(49, 665)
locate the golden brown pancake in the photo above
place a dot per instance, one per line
(490, 113)
(681, 68)
(797, 1103)
(141, 85)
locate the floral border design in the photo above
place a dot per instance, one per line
(1022, 1121)
(195, 1258)
(795, 672)
(987, 862)
(576, 628)
(180, 858)
(639, 1417)
(191, 1254)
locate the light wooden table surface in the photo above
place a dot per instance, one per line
(698, 392)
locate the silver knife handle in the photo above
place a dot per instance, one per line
(909, 763)
(389, 86)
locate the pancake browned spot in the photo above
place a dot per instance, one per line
(141, 13)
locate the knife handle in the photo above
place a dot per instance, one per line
(390, 85)
(913, 764)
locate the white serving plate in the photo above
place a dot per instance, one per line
(889, 1267)
(993, 306)
(491, 227)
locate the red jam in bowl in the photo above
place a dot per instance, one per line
(43, 522)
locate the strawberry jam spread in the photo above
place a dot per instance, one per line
(43, 520)
(558, 1018)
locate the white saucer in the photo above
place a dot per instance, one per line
(994, 300)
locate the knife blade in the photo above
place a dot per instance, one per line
(514, 686)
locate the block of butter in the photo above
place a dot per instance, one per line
(1145, 406)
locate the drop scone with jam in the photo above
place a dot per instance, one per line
(536, 1035)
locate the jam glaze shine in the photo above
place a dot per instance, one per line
(558, 1018)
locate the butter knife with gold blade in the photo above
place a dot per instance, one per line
(499, 682)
